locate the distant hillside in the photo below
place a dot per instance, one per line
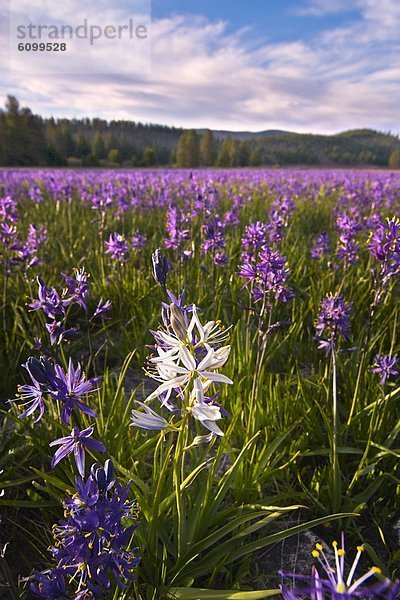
(29, 140)
(245, 135)
(356, 147)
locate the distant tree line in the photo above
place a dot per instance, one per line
(27, 139)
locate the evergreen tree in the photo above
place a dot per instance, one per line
(149, 157)
(188, 150)
(114, 156)
(394, 159)
(98, 146)
(223, 154)
(243, 154)
(82, 147)
(208, 149)
(255, 158)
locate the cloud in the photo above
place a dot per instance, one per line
(201, 76)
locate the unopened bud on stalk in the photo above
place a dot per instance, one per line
(161, 267)
(178, 323)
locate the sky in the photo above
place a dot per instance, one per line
(319, 66)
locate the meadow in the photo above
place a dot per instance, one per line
(199, 372)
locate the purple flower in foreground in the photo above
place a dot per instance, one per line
(91, 541)
(48, 301)
(50, 585)
(385, 365)
(139, 240)
(335, 585)
(255, 236)
(102, 308)
(333, 321)
(30, 396)
(77, 288)
(321, 246)
(76, 443)
(58, 333)
(70, 387)
(117, 247)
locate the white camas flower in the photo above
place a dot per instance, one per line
(188, 356)
(205, 412)
(191, 333)
(148, 419)
(176, 375)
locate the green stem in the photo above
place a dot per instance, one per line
(178, 476)
(337, 492)
(5, 281)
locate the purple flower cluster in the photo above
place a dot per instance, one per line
(321, 247)
(138, 240)
(384, 245)
(117, 247)
(54, 305)
(177, 231)
(48, 380)
(347, 249)
(385, 365)
(267, 272)
(76, 443)
(333, 321)
(214, 241)
(254, 238)
(18, 251)
(279, 215)
(92, 542)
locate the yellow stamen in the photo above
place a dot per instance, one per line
(376, 570)
(315, 553)
(360, 548)
(318, 546)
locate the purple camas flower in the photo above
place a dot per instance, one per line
(213, 238)
(48, 301)
(347, 249)
(321, 246)
(384, 245)
(334, 584)
(30, 396)
(77, 288)
(70, 387)
(91, 542)
(50, 584)
(267, 272)
(8, 209)
(139, 240)
(117, 247)
(385, 364)
(58, 333)
(102, 309)
(76, 443)
(101, 203)
(47, 380)
(255, 236)
(177, 233)
(8, 234)
(333, 321)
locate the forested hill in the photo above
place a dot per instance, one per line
(30, 140)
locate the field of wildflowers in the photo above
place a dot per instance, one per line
(198, 367)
